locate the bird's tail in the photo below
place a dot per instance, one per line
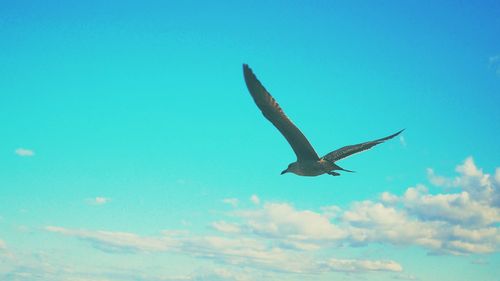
(345, 170)
(337, 167)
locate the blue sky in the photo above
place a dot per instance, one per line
(131, 149)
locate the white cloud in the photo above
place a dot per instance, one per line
(373, 222)
(255, 199)
(3, 246)
(40, 266)
(99, 200)
(226, 227)
(277, 237)
(225, 274)
(250, 252)
(231, 201)
(457, 208)
(497, 175)
(439, 180)
(479, 185)
(456, 223)
(117, 241)
(388, 198)
(282, 220)
(468, 168)
(361, 266)
(23, 152)
(235, 251)
(331, 211)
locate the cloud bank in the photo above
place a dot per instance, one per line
(461, 219)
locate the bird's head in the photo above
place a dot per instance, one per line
(292, 167)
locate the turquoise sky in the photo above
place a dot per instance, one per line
(130, 148)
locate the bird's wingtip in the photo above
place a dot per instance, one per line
(247, 69)
(391, 136)
(396, 134)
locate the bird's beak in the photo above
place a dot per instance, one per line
(284, 172)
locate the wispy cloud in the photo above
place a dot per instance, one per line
(479, 261)
(494, 62)
(41, 266)
(3, 246)
(255, 253)
(111, 241)
(23, 152)
(231, 201)
(356, 266)
(240, 251)
(403, 276)
(402, 140)
(226, 227)
(255, 199)
(99, 200)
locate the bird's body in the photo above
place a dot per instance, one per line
(309, 168)
(308, 162)
(312, 168)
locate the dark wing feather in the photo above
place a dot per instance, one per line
(273, 112)
(355, 148)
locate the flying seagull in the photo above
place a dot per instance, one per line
(308, 162)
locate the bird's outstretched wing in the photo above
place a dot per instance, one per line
(273, 112)
(355, 148)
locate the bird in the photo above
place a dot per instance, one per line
(308, 162)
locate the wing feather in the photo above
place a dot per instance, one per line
(346, 151)
(273, 112)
